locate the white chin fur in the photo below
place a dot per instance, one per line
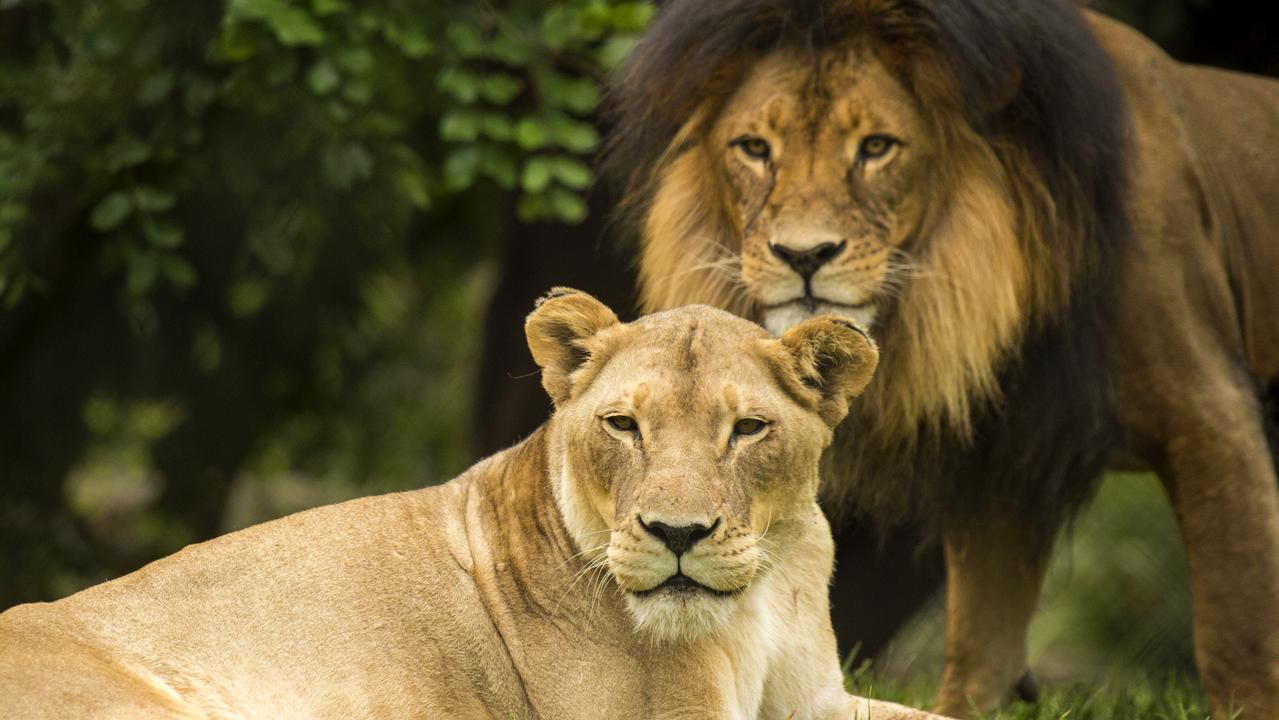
(780, 319)
(681, 616)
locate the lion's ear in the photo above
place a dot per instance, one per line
(834, 357)
(558, 329)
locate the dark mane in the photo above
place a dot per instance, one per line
(1028, 77)
(1028, 72)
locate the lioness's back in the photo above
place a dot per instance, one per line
(260, 613)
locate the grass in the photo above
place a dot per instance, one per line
(1174, 698)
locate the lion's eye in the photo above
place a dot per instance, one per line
(877, 146)
(749, 426)
(621, 423)
(756, 148)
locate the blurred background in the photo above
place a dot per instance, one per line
(259, 255)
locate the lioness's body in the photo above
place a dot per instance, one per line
(1067, 243)
(417, 604)
(469, 600)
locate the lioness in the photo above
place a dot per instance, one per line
(654, 550)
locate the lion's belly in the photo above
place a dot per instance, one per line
(1233, 121)
(1204, 196)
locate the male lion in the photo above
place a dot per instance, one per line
(654, 551)
(1061, 237)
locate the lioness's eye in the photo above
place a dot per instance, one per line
(621, 423)
(876, 146)
(748, 426)
(754, 147)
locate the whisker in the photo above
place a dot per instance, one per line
(573, 557)
(767, 526)
(594, 564)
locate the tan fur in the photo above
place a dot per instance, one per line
(1190, 333)
(527, 587)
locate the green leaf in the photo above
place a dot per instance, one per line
(178, 271)
(579, 96)
(536, 176)
(163, 234)
(141, 272)
(197, 94)
(330, 7)
(14, 293)
(246, 297)
(571, 172)
(356, 60)
(412, 185)
(461, 167)
(384, 123)
(531, 133)
(206, 349)
(323, 78)
(459, 83)
(465, 39)
(290, 24)
(127, 151)
(237, 43)
(359, 91)
(281, 68)
(614, 50)
(558, 25)
(345, 165)
(110, 212)
(500, 89)
(532, 208)
(568, 206)
(338, 110)
(509, 50)
(156, 87)
(576, 136)
(100, 414)
(594, 20)
(294, 28)
(272, 242)
(150, 199)
(631, 17)
(411, 40)
(460, 126)
(497, 127)
(499, 165)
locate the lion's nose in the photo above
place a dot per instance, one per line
(807, 261)
(679, 538)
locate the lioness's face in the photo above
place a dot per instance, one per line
(828, 162)
(690, 445)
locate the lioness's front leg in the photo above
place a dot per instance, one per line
(866, 709)
(993, 575)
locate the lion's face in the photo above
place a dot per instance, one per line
(827, 164)
(690, 444)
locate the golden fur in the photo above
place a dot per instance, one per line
(1064, 251)
(533, 585)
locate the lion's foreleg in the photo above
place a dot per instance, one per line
(994, 571)
(1221, 478)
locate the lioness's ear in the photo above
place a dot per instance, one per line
(834, 357)
(557, 331)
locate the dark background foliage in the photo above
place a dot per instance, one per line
(262, 254)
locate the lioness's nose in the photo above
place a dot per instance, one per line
(679, 538)
(807, 261)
